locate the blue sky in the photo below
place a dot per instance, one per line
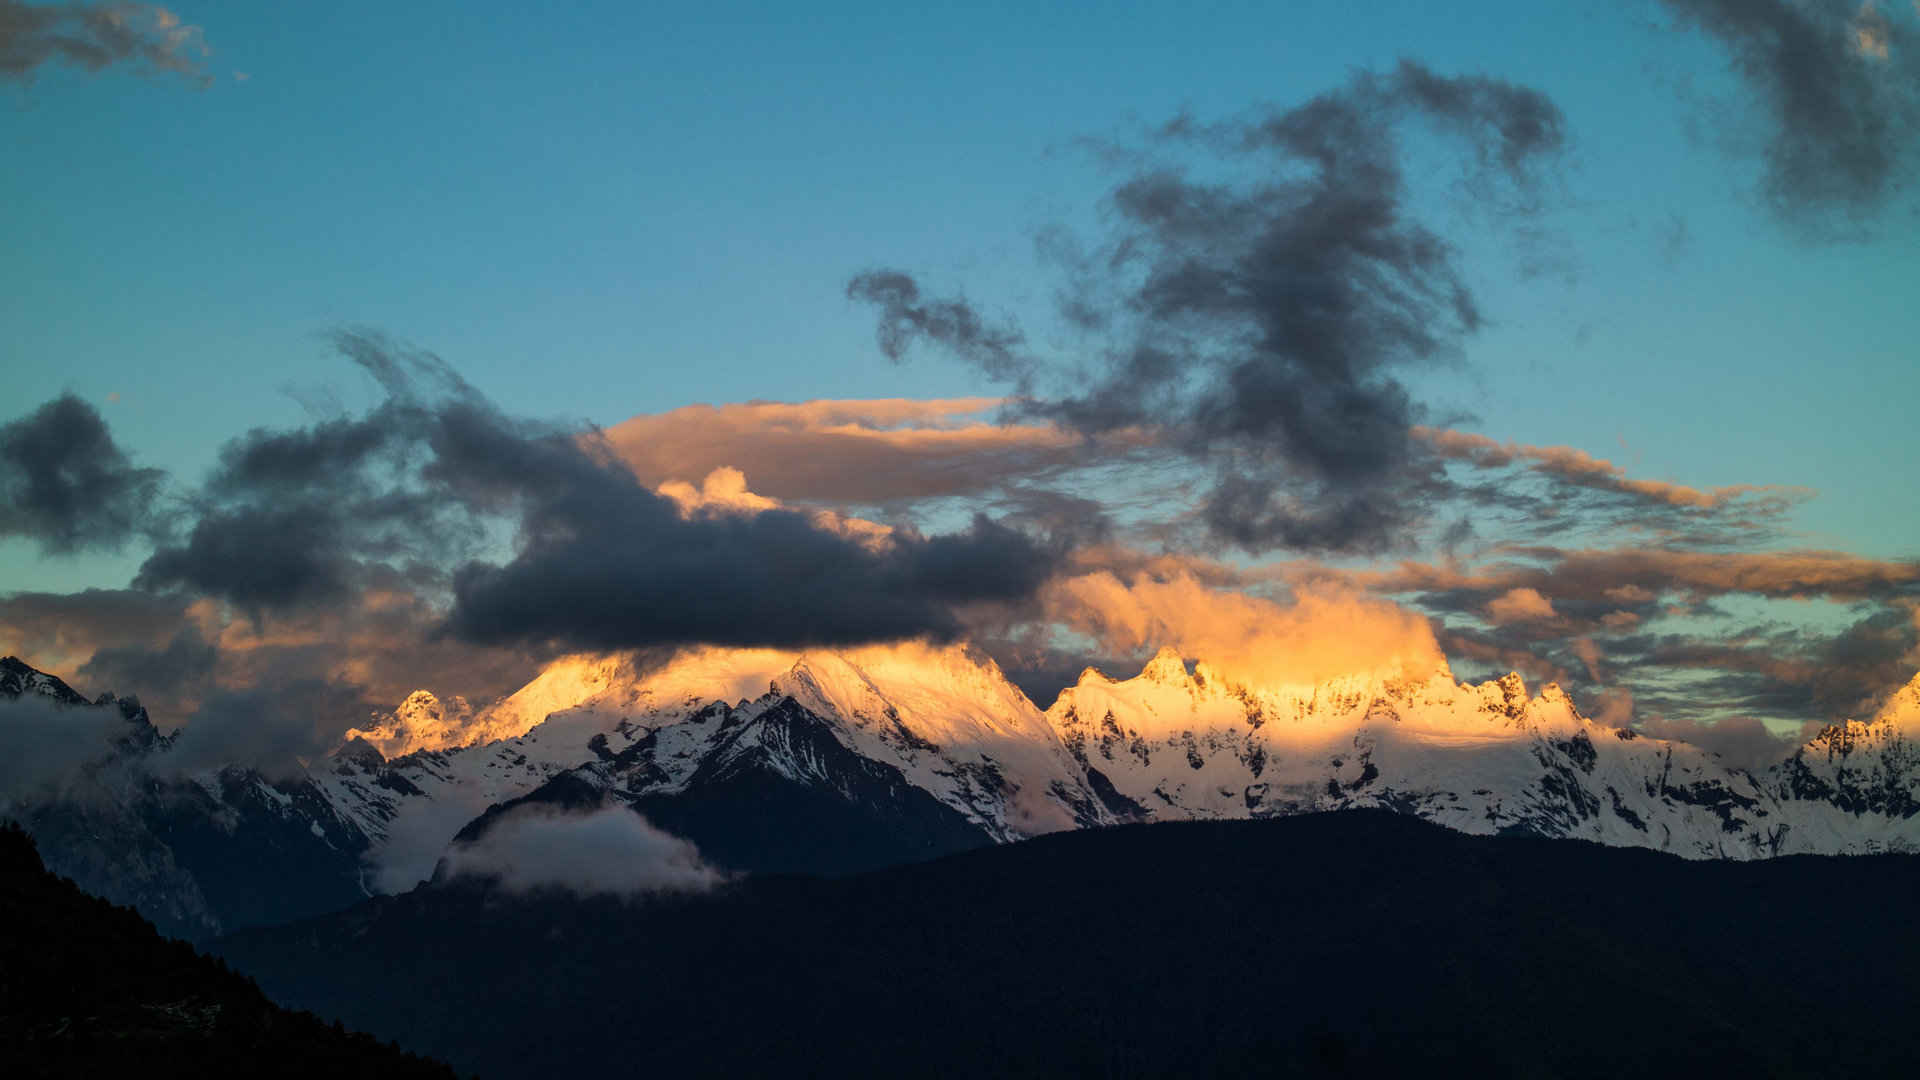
(614, 209)
(620, 208)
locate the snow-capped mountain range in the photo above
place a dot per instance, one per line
(830, 761)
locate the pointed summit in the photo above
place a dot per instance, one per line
(1902, 708)
(19, 678)
(1167, 668)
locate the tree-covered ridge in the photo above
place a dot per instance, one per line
(89, 988)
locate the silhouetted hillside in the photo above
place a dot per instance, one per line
(88, 988)
(1348, 944)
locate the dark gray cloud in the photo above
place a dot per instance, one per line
(65, 484)
(182, 669)
(385, 640)
(1840, 85)
(1262, 320)
(43, 742)
(1787, 672)
(299, 519)
(37, 623)
(951, 324)
(632, 579)
(258, 557)
(273, 728)
(94, 36)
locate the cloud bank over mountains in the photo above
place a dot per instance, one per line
(436, 522)
(1226, 455)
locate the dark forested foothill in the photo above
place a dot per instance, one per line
(88, 988)
(1348, 944)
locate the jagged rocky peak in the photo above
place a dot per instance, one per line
(421, 722)
(427, 722)
(19, 679)
(1514, 689)
(1895, 722)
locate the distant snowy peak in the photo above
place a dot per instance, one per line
(1894, 729)
(421, 722)
(1165, 699)
(609, 683)
(920, 748)
(943, 693)
(939, 719)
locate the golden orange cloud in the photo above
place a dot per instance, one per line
(1517, 605)
(847, 451)
(724, 491)
(1249, 639)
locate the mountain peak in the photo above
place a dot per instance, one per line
(1167, 668)
(423, 721)
(19, 678)
(1902, 708)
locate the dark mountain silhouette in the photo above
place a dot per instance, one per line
(1349, 944)
(88, 988)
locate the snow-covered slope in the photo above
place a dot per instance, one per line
(1855, 787)
(1166, 744)
(946, 723)
(1483, 759)
(837, 759)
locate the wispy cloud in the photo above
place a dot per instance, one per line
(1839, 85)
(1578, 468)
(95, 36)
